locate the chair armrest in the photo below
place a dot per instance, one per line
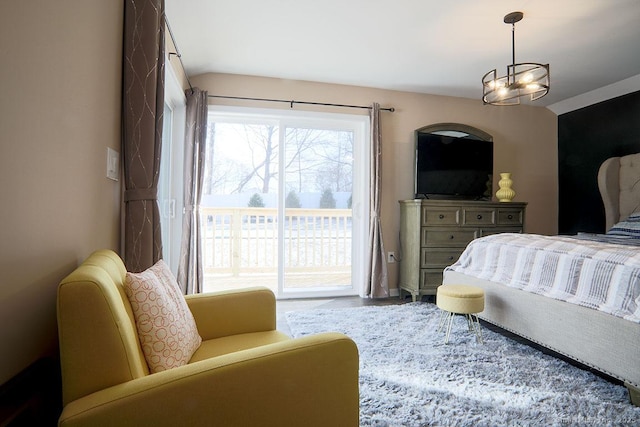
(309, 381)
(220, 314)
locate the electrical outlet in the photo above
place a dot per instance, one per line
(391, 257)
(113, 164)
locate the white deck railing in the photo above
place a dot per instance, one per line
(245, 240)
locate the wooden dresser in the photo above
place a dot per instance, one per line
(433, 234)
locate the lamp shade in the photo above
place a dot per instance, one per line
(525, 79)
(522, 79)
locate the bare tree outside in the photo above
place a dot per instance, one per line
(246, 159)
(263, 144)
(334, 168)
(319, 160)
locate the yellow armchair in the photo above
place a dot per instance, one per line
(245, 372)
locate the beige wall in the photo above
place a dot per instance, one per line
(59, 111)
(525, 139)
(174, 60)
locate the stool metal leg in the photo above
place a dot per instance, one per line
(446, 338)
(479, 329)
(476, 327)
(446, 318)
(443, 315)
(469, 322)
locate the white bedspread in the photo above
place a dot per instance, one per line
(601, 276)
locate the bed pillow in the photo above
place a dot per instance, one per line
(629, 227)
(166, 328)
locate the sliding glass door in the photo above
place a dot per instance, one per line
(170, 180)
(284, 202)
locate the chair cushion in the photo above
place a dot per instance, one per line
(166, 328)
(231, 344)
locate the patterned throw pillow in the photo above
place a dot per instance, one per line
(166, 327)
(629, 227)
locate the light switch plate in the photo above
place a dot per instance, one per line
(113, 164)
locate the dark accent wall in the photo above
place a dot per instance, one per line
(586, 138)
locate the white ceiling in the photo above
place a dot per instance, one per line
(441, 47)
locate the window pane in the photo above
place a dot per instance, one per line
(317, 229)
(240, 203)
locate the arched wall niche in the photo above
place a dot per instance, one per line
(443, 128)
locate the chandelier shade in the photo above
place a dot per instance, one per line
(528, 79)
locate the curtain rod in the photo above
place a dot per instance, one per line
(391, 109)
(177, 52)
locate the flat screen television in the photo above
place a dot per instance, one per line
(453, 165)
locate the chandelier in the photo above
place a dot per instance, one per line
(523, 79)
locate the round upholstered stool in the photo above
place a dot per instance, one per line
(460, 299)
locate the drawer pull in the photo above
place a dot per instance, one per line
(452, 237)
(510, 216)
(479, 216)
(441, 216)
(451, 258)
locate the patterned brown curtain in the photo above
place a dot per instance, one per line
(195, 138)
(377, 285)
(142, 110)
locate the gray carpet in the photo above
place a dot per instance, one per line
(409, 377)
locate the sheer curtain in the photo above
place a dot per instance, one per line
(142, 116)
(190, 276)
(377, 285)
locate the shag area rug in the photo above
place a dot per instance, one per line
(409, 377)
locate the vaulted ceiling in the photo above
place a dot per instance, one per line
(441, 47)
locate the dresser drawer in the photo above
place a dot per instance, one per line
(440, 216)
(430, 279)
(439, 257)
(479, 216)
(446, 237)
(510, 217)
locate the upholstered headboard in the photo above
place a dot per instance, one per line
(619, 184)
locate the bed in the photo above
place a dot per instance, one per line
(576, 295)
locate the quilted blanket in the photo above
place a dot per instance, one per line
(588, 272)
